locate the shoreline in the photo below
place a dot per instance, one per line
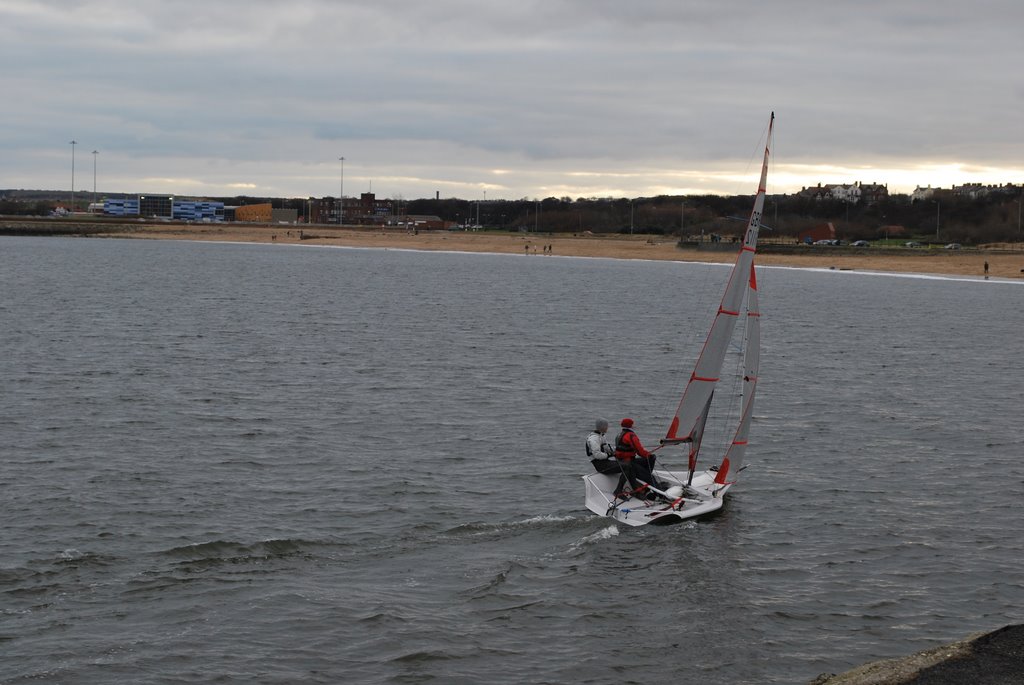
(965, 262)
(986, 658)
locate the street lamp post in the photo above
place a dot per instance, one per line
(73, 143)
(938, 210)
(94, 153)
(341, 193)
(631, 216)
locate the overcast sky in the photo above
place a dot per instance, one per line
(508, 99)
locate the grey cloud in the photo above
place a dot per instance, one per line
(452, 89)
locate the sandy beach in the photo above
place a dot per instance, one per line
(965, 262)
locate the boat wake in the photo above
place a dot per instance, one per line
(605, 533)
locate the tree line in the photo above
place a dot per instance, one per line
(944, 217)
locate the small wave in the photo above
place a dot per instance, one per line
(44, 576)
(605, 533)
(545, 519)
(532, 522)
(383, 617)
(223, 550)
(484, 589)
(422, 657)
(75, 558)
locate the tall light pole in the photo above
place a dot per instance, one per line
(938, 209)
(631, 216)
(73, 143)
(341, 193)
(94, 153)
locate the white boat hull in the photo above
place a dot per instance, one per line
(702, 497)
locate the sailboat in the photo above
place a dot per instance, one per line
(682, 494)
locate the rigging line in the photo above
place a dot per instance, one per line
(757, 157)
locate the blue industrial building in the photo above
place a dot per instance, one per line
(164, 207)
(197, 210)
(121, 206)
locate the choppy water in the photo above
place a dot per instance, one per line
(238, 463)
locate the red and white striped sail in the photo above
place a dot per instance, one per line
(688, 419)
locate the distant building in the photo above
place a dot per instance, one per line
(121, 206)
(816, 233)
(158, 206)
(164, 207)
(284, 216)
(974, 190)
(870, 193)
(368, 210)
(922, 193)
(257, 214)
(855, 193)
(845, 193)
(197, 210)
(322, 210)
(425, 222)
(365, 211)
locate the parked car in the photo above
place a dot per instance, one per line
(912, 243)
(826, 242)
(953, 246)
(860, 243)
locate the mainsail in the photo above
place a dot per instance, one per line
(688, 422)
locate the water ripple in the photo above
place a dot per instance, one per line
(229, 463)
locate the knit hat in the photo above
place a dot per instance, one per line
(627, 423)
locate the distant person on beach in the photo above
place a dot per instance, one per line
(601, 453)
(986, 268)
(636, 462)
(527, 248)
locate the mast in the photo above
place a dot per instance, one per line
(687, 422)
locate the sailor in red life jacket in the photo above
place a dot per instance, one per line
(636, 462)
